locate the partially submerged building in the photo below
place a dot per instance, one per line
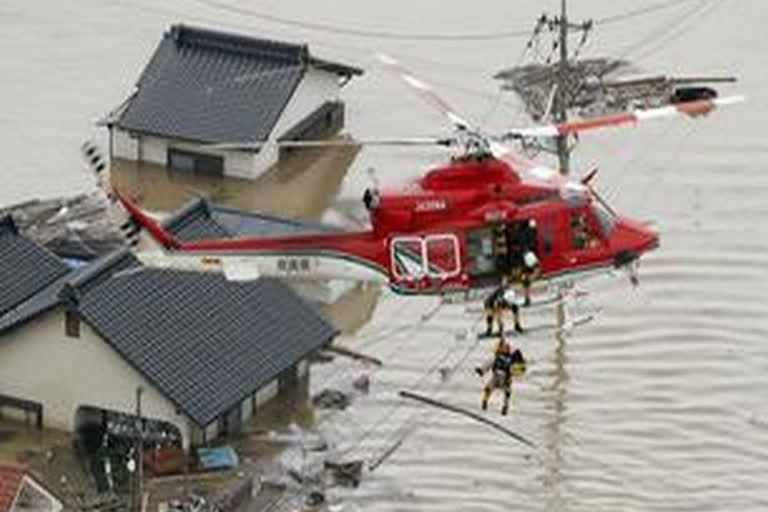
(204, 87)
(77, 344)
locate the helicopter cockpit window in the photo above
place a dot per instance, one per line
(606, 219)
(583, 235)
(574, 194)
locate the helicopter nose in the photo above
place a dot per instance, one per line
(632, 239)
(649, 234)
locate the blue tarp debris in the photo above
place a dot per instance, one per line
(223, 457)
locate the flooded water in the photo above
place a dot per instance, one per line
(658, 404)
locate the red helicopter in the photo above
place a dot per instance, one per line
(455, 230)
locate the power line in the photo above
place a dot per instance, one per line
(373, 34)
(662, 32)
(692, 22)
(660, 6)
(402, 36)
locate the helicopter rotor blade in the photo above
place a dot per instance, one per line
(600, 199)
(689, 108)
(425, 90)
(406, 141)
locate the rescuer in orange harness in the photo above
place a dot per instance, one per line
(505, 365)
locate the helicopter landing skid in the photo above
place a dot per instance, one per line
(553, 328)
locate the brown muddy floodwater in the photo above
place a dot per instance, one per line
(302, 185)
(660, 404)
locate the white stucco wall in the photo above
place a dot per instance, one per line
(153, 149)
(148, 148)
(246, 409)
(315, 88)
(267, 393)
(39, 362)
(123, 145)
(302, 369)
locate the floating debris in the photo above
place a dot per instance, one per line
(223, 457)
(354, 355)
(331, 399)
(77, 227)
(346, 474)
(314, 500)
(362, 383)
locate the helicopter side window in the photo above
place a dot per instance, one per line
(582, 234)
(606, 219)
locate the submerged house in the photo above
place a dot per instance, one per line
(77, 345)
(204, 87)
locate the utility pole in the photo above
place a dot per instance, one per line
(139, 452)
(562, 84)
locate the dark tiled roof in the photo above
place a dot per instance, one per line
(206, 343)
(194, 222)
(200, 219)
(25, 267)
(211, 86)
(81, 279)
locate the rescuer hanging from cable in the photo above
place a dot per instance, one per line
(504, 365)
(495, 305)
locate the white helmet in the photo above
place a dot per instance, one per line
(510, 296)
(530, 259)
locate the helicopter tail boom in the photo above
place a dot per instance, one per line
(158, 232)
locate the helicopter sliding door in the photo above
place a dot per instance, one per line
(497, 250)
(435, 257)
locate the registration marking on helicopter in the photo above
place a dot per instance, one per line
(431, 205)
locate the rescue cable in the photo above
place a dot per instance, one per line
(469, 414)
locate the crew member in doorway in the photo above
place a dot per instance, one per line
(529, 262)
(504, 365)
(495, 305)
(530, 271)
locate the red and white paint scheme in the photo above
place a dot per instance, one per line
(440, 233)
(437, 236)
(689, 108)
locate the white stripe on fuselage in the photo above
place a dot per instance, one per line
(249, 266)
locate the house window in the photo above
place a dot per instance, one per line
(72, 324)
(195, 162)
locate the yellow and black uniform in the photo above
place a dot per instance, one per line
(505, 365)
(495, 304)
